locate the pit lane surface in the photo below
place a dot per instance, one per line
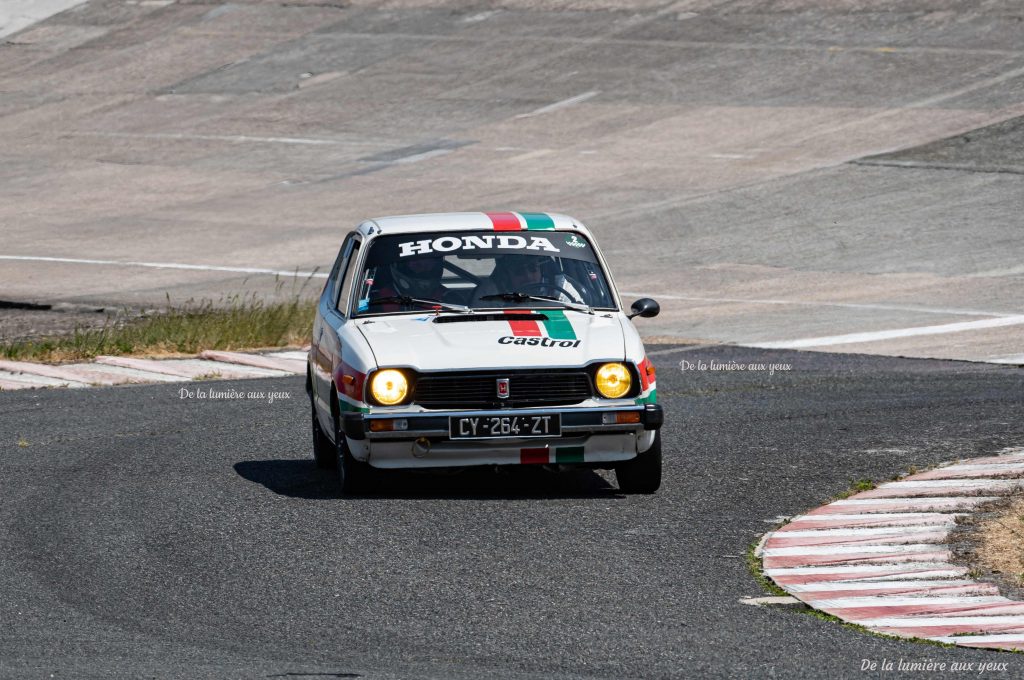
(142, 534)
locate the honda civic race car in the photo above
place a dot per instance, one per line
(465, 339)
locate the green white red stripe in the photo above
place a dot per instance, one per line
(512, 221)
(555, 324)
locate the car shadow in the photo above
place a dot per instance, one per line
(303, 479)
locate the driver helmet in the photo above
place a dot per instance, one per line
(419, 277)
(521, 268)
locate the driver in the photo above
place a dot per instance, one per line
(516, 274)
(418, 278)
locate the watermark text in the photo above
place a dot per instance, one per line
(231, 394)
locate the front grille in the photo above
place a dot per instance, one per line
(480, 390)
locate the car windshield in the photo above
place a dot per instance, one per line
(481, 270)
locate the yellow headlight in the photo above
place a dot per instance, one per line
(389, 386)
(613, 380)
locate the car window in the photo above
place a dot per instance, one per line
(474, 268)
(347, 277)
(331, 285)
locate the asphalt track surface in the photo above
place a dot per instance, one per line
(769, 170)
(142, 534)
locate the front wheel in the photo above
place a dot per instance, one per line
(354, 477)
(643, 473)
(323, 449)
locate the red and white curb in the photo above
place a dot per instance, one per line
(105, 370)
(881, 558)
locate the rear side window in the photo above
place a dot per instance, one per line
(346, 277)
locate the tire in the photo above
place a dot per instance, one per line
(354, 477)
(323, 449)
(643, 473)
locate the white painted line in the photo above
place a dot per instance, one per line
(947, 311)
(294, 354)
(77, 373)
(1000, 472)
(936, 535)
(873, 573)
(982, 639)
(137, 375)
(942, 621)
(320, 79)
(11, 385)
(874, 336)
(231, 371)
(256, 360)
(922, 501)
(856, 532)
(855, 521)
(169, 265)
(761, 601)
(1011, 456)
(561, 105)
(38, 380)
(849, 550)
(16, 15)
(480, 16)
(828, 586)
(167, 367)
(943, 483)
(1006, 466)
(421, 156)
(1015, 359)
(677, 350)
(903, 601)
(307, 141)
(938, 517)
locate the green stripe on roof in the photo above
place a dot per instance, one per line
(557, 326)
(569, 454)
(538, 221)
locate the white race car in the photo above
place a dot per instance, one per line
(464, 339)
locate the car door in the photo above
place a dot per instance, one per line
(326, 348)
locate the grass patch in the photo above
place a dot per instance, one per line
(999, 538)
(855, 488)
(756, 567)
(235, 322)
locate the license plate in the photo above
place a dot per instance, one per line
(504, 427)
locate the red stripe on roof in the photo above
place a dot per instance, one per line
(523, 329)
(505, 221)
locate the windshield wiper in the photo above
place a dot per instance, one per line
(523, 297)
(427, 302)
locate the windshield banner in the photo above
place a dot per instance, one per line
(480, 245)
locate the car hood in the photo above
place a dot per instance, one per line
(540, 339)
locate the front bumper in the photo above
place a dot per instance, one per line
(590, 436)
(434, 424)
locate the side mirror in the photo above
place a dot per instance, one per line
(645, 307)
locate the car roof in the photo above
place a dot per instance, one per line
(469, 221)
